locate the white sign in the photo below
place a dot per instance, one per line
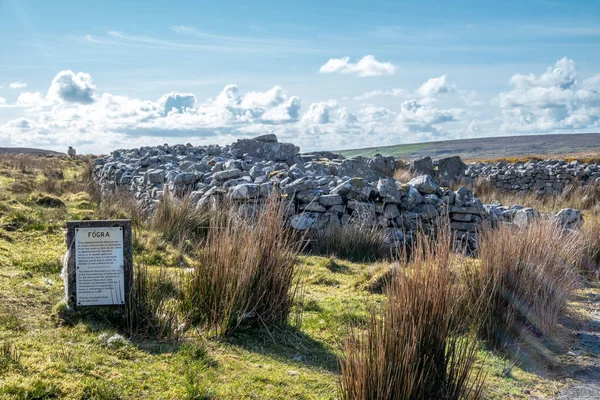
(100, 274)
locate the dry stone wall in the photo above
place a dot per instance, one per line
(540, 176)
(321, 189)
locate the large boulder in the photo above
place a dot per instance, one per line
(569, 218)
(525, 216)
(267, 148)
(388, 191)
(411, 199)
(450, 169)
(245, 191)
(425, 185)
(370, 169)
(422, 166)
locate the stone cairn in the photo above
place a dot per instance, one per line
(321, 189)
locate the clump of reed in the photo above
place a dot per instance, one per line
(416, 345)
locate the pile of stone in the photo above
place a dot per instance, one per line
(321, 189)
(540, 176)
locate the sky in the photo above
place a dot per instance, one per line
(326, 75)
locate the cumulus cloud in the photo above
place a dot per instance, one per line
(72, 112)
(554, 100)
(32, 99)
(417, 116)
(69, 87)
(17, 85)
(366, 66)
(435, 86)
(176, 102)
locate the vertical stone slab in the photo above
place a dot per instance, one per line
(97, 252)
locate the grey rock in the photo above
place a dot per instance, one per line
(425, 184)
(227, 174)
(411, 199)
(245, 191)
(422, 166)
(329, 200)
(388, 191)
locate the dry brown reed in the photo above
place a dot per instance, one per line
(178, 220)
(590, 232)
(414, 347)
(151, 309)
(245, 273)
(404, 175)
(524, 277)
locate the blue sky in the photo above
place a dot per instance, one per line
(323, 74)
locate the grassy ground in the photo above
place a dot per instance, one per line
(492, 148)
(42, 357)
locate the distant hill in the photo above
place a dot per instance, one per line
(495, 147)
(27, 150)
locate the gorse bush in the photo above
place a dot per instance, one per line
(244, 275)
(412, 349)
(356, 242)
(524, 278)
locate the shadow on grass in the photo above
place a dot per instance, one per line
(285, 345)
(101, 319)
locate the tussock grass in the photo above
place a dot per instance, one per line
(356, 242)
(411, 348)
(404, 174)
(122, 206)
(152, 309)
(245, 274)
(522, 280)
(178, 220)
(590, 232)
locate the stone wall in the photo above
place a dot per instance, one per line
(539, 176)
(322, 189)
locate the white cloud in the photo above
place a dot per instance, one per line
(366, 66)
(553, 101)
(176, 102)
(69, 87)
(416, 116)
(74, 113)
(17, 85)
(396, 92)
(32, 99)
(435, 86)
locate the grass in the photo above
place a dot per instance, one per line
(413, 348)
(72, 360)
(582, 156)
(245, 274)
(521, 286)
(356, 242)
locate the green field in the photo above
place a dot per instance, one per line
(483, 148)
(44, 355)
